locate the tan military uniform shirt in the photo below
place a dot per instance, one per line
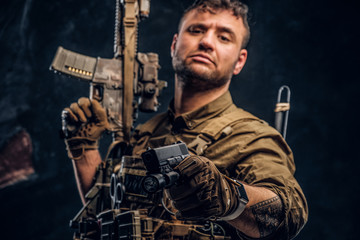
(247, 149)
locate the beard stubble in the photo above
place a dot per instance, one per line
(199, 80)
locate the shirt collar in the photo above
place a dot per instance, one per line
(194, 118)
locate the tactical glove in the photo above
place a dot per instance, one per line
(85, 121)
(202, 192)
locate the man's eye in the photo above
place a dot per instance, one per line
(195, 30)
(224, 39)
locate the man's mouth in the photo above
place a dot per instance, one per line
(204, 58)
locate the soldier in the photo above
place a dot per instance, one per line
(241, 171)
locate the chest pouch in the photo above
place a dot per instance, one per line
(125, 185)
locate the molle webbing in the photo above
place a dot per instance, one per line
(136, 225)
(218, 127)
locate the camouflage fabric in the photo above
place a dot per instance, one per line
(250, 151)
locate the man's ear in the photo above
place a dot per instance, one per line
(173, 44)
(240, 62)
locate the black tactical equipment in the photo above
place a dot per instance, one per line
(160, 163)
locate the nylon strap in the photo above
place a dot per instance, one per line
(130, 31)
(218, 127)
(282, 107)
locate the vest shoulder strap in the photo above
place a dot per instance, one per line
(218, 127)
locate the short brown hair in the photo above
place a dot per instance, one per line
(239, 10)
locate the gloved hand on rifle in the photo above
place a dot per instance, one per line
(202, 192)
(86, 120)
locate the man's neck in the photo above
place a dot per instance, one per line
(187, 100)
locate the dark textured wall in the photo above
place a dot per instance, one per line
(309, 46)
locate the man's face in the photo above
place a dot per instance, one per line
(207, 50)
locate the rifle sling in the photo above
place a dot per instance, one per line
(130, 27)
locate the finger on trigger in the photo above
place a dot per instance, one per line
(75, 108)
(85, 105)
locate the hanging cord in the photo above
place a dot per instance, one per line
(212, 229)
(164, 206)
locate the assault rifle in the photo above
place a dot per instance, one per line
(114, 82)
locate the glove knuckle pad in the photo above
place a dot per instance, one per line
(74, 106)
(85, 105)
(78, 112)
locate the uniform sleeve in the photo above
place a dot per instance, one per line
(265, 160)
(256, 154)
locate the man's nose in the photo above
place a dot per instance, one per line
(207, 41)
